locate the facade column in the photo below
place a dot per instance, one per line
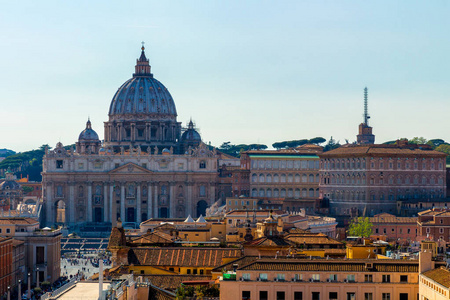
(71, 203)
(112, 218)
(189, 210)
(105, 203)
(212, 196)
(49, 205)
(89, 202)
(173, 207)
(155, 202)
(122, 201)
(149, 201)
(138, 203)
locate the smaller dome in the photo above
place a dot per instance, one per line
(191, 134)
(89, 133)
(165, 151)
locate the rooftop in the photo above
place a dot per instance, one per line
(440, 275)
(382, 149)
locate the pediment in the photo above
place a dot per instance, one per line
(130, 168)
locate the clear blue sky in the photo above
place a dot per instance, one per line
(245, 71)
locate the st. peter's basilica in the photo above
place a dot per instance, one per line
(148, 166)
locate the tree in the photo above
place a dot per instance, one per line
(446, 149)
(436, 142)
(418, 140)
(332, 144)
(360, 227)
(317, 140)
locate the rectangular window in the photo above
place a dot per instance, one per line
(315, 277)
(59, 164)
(245, 295)
(403, 296)
(40, 255)
(333, 296)
(280, 277)
(315, 296)
(386, 278)
(144, 166)
(298, 296)
(281, 296)
(351, 278)
(263, 295)
(80, 166)
(333, 277)
(351, 296)
(403, 278)
(116, 165)
(297, 277)
(8, 230)
(246, 276)
(368, 296)
(368, 278)
(263, 276)
(386, 296)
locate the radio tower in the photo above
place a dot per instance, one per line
(365, 135)
(366, 113)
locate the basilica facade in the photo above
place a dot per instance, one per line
(148, 166)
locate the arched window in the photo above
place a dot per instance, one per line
(283, 177)
(202, 164)
(283, 193)
(290, 178)
(254, 193)
(304, 178)
(311, 193)
(269, 178)
(276, 178)
(269, 193)
(254, 178)
(290, 193)
(276, 193)
(297, 193)
(98, 190)
(304, 193)
(261, 192)
(297, 178)
(261, 178)
(311, 178)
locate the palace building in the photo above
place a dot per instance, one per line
(148, 166)
(367, 178)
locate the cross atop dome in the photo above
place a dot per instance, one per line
(142, 67)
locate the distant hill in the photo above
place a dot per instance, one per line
(6, 152)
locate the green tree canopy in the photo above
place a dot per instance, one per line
(332, 144)
(360, 227)
(446, 149)
(418, 140)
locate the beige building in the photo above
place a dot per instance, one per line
(148, 166)
(288, 174)
(42, 247)
(304, 279)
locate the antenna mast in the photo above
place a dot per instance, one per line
(366, 113)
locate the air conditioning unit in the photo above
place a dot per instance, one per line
(311, 280)
(241, 279)
(345, 280)
(294, 279)
(258, 279)
(275, 279)
(328, 280)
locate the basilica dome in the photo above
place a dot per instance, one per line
(142, 113)
(142, 96)
(88, 134)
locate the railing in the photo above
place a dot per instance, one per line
(59, 291)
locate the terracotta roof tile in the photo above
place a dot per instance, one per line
(381, 149)
(192, 257)
(440, 275)
(332, 265)
(172, 282)
(18, 221)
